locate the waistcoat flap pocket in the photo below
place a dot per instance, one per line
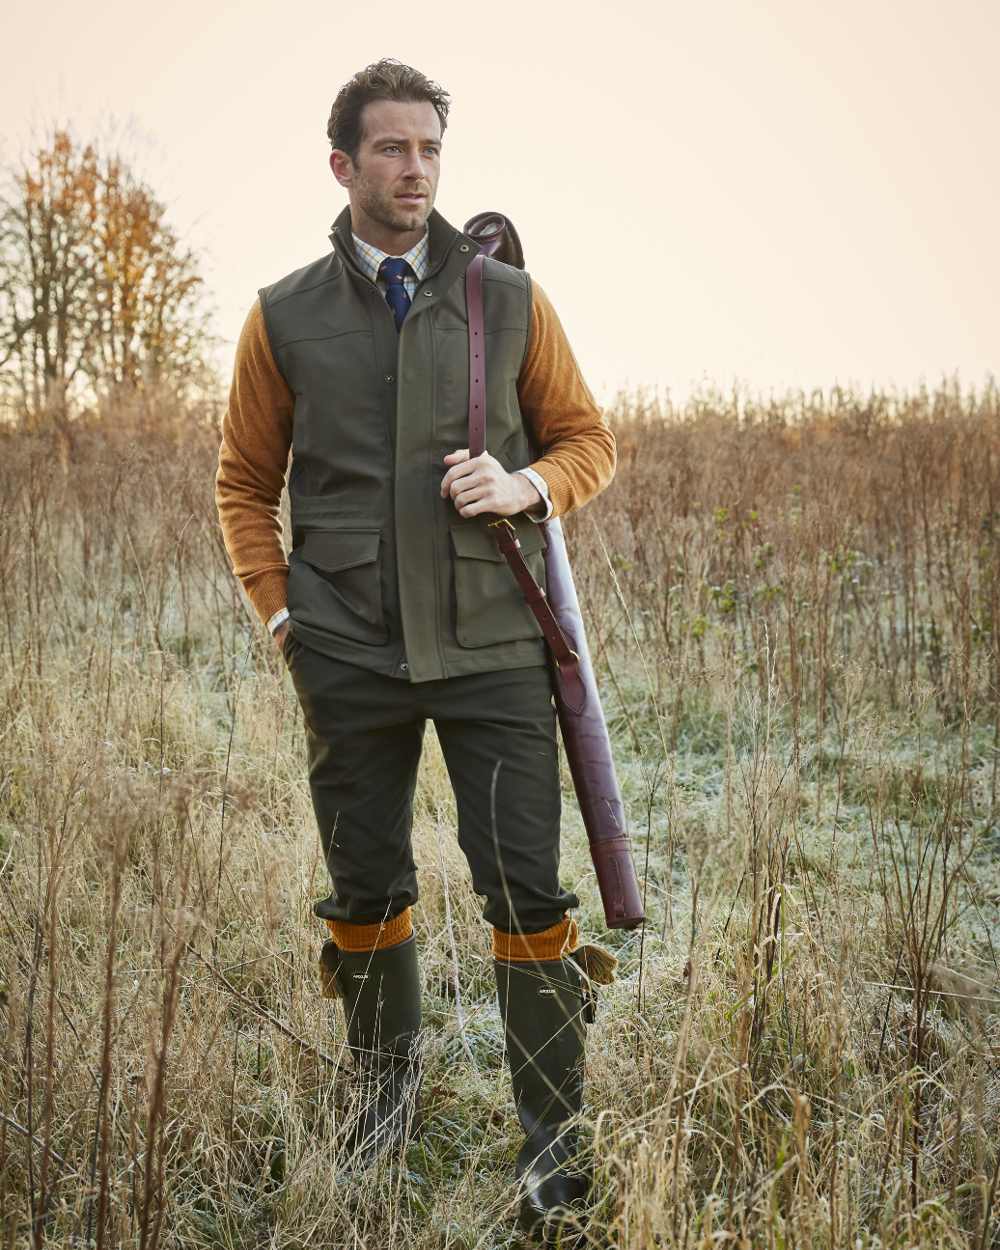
(336, 550)
(335, 584)
(489, 605)
(476, 541)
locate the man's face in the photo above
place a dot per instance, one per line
(393, 183)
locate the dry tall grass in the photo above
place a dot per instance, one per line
(795, 609)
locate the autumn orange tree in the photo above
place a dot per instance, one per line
(97, 292)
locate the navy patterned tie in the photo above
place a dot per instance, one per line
(393, 269)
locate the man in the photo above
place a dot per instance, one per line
(395, 606)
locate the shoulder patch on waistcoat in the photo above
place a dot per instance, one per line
(497, 271)
(326, 269)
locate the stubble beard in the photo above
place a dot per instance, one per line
(383, 207)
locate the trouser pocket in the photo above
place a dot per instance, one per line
(286, 642)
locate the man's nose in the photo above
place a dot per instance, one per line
(417, 167)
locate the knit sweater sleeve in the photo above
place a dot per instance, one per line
(578, 453)
(253, 460)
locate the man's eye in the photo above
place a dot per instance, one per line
(394, 147)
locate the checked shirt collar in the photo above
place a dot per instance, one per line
(370, 257)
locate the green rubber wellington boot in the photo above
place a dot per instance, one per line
(380, 993)
(545, 1006)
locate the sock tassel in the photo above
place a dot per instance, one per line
(329, 961)
(597, 963)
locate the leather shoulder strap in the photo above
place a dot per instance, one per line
(477, 355)
(571, 687)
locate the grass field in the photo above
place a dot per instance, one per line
(794, 609)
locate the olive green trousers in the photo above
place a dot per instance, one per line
(497, 732)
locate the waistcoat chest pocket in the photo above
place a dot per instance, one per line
(489, 604)
(342, 586)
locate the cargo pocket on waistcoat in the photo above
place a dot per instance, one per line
(348, 595)
(489, 604)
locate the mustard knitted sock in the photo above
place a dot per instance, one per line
(372, 937)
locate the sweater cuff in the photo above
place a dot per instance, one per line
(269, 593)
(558, 484)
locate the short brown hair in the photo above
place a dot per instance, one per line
(387, 79)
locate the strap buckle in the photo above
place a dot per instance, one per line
(506, 523)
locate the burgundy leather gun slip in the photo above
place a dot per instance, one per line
(578, 703)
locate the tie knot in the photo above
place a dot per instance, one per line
(394, 269)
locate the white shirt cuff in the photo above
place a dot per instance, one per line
(542, 487)
(275, 621)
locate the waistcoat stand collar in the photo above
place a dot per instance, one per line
(441, 237)
(449, 254)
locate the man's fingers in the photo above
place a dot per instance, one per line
(474, 509)
(469, 494)
(456, 473)
(456, 459)
(465, 473)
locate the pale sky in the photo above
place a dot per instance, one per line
(778, 195)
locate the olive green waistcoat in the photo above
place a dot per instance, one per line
(383, 572)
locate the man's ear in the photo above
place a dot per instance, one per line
(342, 166)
